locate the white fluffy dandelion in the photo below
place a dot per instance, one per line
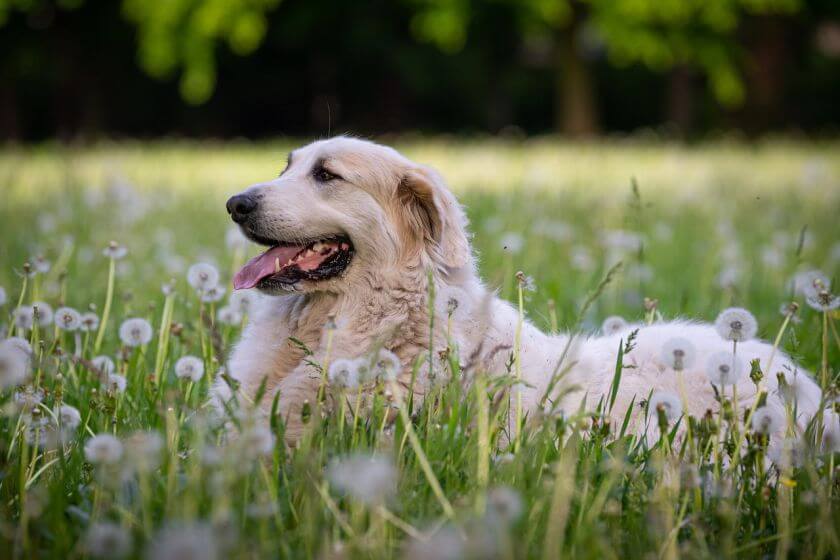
(724, 368)
(512, 242)
(213, 294)
(678, 353)
(135, 332)
(227, 315)
(190, 542)
(14, 366)
(42, 313)
(103, 449)
(370, 479)
(766, 420)
(189, 367)
(18, 343)
(613, 325)
(736, 324)
(386, 366)
(24, 318)
(69, 417)
(40, 264)
(810, 282)
(103, 364)
(68, 319)
(203, 276)
(107, 540)
(822, 300)
(90, 322)
(343, 373)
(257, 441)
(115, 251)
(668, 402)
(787, 453)
(243, 300)
(116, 383)
(504, 504)
(143, 450)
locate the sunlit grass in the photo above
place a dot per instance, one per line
(704, 228)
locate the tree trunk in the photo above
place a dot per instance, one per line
(681, 100)
(575, 113)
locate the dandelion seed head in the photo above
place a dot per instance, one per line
(737, 324)
(14, 366)
(724, 368)
(143, 450)
(386, 366)
(822, 300)
(447, 544)
(810, 282)
(668, 402)
(203, 276)
(89, 322)
(729, 276)
(107, 540)
(512, 242)
(103, 449)
(370, 479)
(18, 343)
(766, 420)
(184, 542)
(42, 313)
(68, 319)
(787, 453)
(135, 332)
(104, 364)
(116, 383)
(343, 373)
(227, 315)
(24, 318)
(678, 353)
(115, 251)
(189, 367)
(504, 505)
(213, 294)
(69, 416)
(792, 309)
(40, 264)
(28, 399)
(614, 325)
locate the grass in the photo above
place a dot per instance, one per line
(722, 224)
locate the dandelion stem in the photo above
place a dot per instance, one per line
(106, 311)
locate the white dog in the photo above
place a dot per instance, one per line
(355, 231)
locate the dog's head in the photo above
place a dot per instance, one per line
(345, 210)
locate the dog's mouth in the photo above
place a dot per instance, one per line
(284, 264)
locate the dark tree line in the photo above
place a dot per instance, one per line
(85, 68)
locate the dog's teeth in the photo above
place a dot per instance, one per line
(277, 265)
(317, 247)
(344, 246)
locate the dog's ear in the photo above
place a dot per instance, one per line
(436, 218)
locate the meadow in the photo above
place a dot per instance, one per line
(109, 450)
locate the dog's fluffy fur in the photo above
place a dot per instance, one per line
(404, 222)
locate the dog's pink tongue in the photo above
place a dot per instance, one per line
(261, 266)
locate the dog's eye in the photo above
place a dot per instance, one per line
(323, 176)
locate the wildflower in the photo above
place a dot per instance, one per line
(504, 504)
(24, 318)
(103, 364)
(386, 366)
(736, 324)
(243, 300)
(614, 325)
(212, 294)
(168, 288)
(90, 322)
(370, 479)
(343, 373)
(115, 251)
(116, 383)
(189, 367)
(13, 366)
(203, 276)
(68, 319)
(669, 403)
(28, 399)
(18, 343)
(107, 540)
(143, 450)
(447, 544)
(823, 300)
(678, 353)
(792, 309)
(512, 242)
(234, 239)
(103, 449)
(766, 420)
(724, 368)
(190, 542)
(526, 282)
(787, 453)
(135, 332)
(69, 417)
(729, 276)
(810, 282)
(40, 264)
(3, 297)
(42, 313)
(228, 315)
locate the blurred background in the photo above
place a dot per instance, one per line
(93, 69)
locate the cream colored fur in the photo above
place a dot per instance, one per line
(403, 222)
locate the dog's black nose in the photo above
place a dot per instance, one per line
(240, 206)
